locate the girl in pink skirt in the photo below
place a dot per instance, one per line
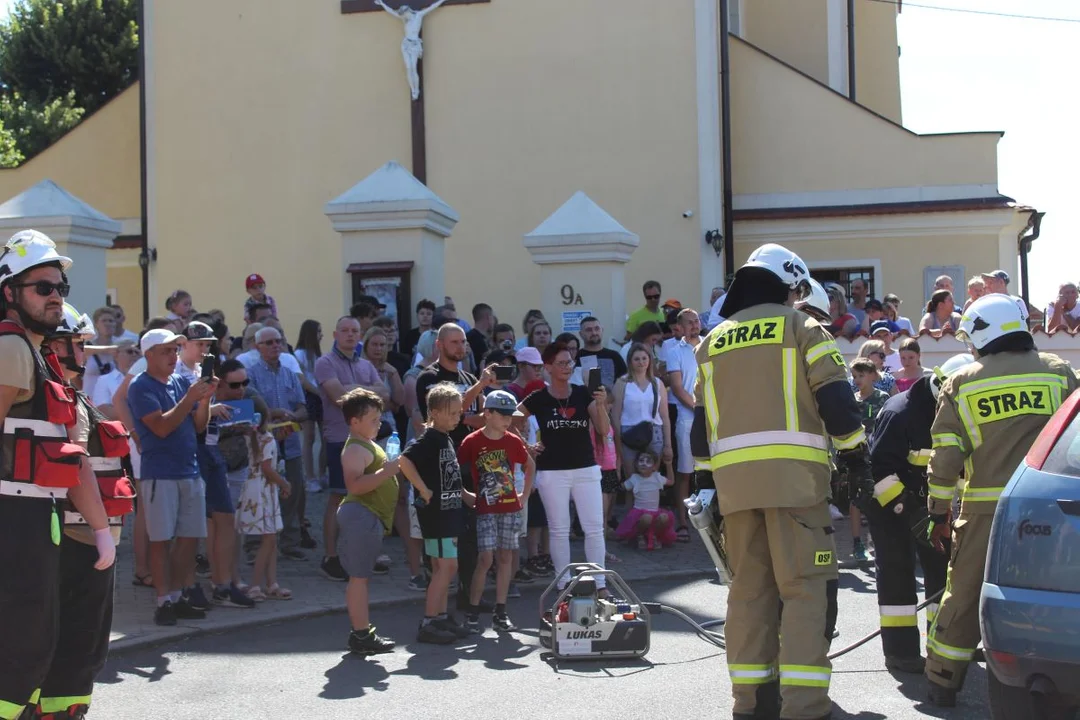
(647, 518)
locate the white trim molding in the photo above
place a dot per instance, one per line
(836, 31)
(869, 196)
(877, 226)
(710, 179)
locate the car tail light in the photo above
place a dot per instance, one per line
(1052, 431)
(1005, 663)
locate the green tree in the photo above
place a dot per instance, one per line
(50, 48)
(9, 151)
(35, 127)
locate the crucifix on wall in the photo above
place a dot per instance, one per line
(411, 14)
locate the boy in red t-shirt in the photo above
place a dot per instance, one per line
(491, 453)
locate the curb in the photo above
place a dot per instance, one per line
(247, 621)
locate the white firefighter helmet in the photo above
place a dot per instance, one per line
(816, 304)
(76, 325)
(29, 249)
(944, 371)
(785, 265)
(989, 318)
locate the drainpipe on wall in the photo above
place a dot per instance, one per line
(144, 254)
(1024, 241)
(725, 145)
(851, 49)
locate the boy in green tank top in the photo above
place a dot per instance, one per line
(366, 514)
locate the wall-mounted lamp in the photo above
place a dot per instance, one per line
(715, 238)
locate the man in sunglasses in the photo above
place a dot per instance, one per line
(650, 311)
(37, 416)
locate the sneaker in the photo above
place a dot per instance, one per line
(513, 591)
(858, 552)
(306, 541)
(331, 568)
(368, 643)
(472, 624)
(383, 559)
(434, 634)
(232, 597)
(313, 486)
(196, 598)
(523, 577)
(202, 566)
(418, 583)
(535, 567)
(503, 623)
(453, 587)
(292, 553)
(546, 560)
(184, 611)
(381, 568)
(450, 623)
(165, 614)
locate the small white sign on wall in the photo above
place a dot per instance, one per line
(571, 319)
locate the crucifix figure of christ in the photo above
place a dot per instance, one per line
(412, 46)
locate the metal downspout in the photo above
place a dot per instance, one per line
(144, 255)
(1035, 226)
(725, 145)
(851, 49)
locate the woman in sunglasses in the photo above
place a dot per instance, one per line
(875, 350)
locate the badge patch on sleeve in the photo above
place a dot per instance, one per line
(823, 558)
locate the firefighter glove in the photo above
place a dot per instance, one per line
(938, 531)
(855, 464)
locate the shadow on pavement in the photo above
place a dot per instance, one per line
(354, 677)
(151, 666)
(840, 713)
(856, 581)
(914, 688)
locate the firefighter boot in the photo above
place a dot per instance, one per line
(768, 704)
(941, 696)
(915, 665)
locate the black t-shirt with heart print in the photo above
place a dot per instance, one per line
(565, 429)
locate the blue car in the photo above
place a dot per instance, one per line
(1030, 605)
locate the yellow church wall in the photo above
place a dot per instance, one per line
(125, 277)
(526, 103)
(877, 58)
(789, 134)
(97, 161)
(796, 31)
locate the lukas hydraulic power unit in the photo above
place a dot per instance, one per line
(579, 624)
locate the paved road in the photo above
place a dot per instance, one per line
(299, 669)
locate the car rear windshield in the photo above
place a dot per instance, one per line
(1064, 459)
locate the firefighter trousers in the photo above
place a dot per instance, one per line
(780, 554)
(29, 600)
(86, 608)
(954, 635)
(895, 552)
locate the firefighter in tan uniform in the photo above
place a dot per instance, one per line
(988, 415)
(771, 385)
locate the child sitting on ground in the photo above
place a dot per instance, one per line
(258, 512)
(492, 453)
(864, 375)
(366, 513)
(430, 461)
(647, 517)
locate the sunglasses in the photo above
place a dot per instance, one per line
(44, 288)
(878, 354)
(652, 297)
(238, 385)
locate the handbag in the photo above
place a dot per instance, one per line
(639, 437)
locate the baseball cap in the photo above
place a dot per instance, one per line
(529, 356)
(873, 304)
(503, 403)
(999, 274)
(197, 330)
(153, 338)
(254, 279)
(672, 303)
(878, 326)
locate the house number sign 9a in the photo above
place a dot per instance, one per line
(569, 296)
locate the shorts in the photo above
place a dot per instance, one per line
(609, 481)
(414, 520)
(313, 403)
(537, 516)
(360, 538)
(212, 468)
(174, 508)
(333, 468)
(443, 548)
(684, 461)
(498, 531)
(235, 481)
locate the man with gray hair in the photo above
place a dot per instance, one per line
(284, 395)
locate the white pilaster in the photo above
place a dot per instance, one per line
(710, 178)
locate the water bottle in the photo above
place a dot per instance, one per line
(393, 447)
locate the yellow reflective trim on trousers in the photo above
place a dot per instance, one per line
(791, 402)
(931, 612)
(752, 674)
(805, 675)
(947, 440)
(769, 452)
(982, 494)
(948, 651)
(58, 704)
(34, 697)
(919, 457)
(848, 442)
(10, 711)
(895, 621)
(822, 349)
(941, 492)
(708, 392)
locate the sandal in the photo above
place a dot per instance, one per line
(612, 557)
(146, 580)
(276, 592)
(255, 593)
(682, 534)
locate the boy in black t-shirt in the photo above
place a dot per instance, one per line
(430, 464)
